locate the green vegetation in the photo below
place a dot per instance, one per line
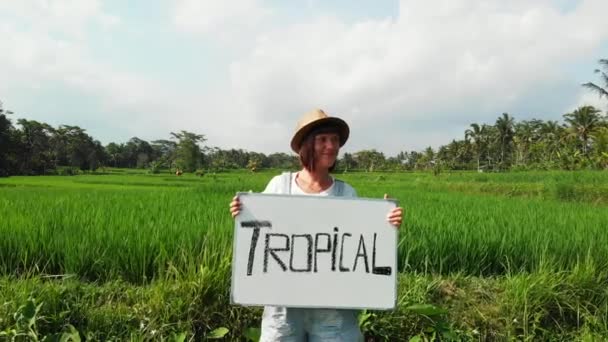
(129, 255)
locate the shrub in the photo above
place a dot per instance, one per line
(67, 171)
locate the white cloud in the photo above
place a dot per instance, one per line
(407, 81)
(68, 18)
(109, 21)
(52, 53)
(588, 98)
(48, 56)
(219, 18)
(435, 59)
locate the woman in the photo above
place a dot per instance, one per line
(317, 141)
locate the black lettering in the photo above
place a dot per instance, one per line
(254, 243)
(271, 251)
(333, 251)
(383, 270)
(317, 250)
(256, 225)
(308, 253)
(342, 268)
(361, 254)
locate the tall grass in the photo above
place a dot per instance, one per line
(147, 257)
(137, 233)
(140, 227)
(540, 306)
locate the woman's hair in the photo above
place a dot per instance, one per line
(307, 149)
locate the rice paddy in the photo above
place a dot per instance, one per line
(150, 233)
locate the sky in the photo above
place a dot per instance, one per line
(404, 74)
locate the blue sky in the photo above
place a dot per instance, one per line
(404, 74)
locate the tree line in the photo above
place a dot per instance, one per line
(579, 141)
(37, 148)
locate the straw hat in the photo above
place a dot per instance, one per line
(314, 119)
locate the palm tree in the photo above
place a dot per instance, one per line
(582, 122)
(603, 92)
(551, 133)
(526, 134)
(550, 130)
(505, 126)
(459, 153)
(427, 159)
(600, 140)
(477, 134)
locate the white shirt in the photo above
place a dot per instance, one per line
(274, 187)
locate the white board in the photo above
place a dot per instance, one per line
(314, 252)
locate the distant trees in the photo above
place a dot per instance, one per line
(478, 136)
(581, 123)
(369, 160)
(72, 146)
(36, 148)
(580, 141)
(347, 162)
(505, 133)
(34, 142)
(6, 143)
(281, 161)
(165, 152)
(138, 153)
(188, 152)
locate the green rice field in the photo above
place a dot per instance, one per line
(132, 256)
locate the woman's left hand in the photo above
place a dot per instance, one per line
(395, 216)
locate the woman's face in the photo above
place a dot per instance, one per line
(327, 146)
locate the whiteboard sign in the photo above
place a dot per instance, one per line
(314, 252)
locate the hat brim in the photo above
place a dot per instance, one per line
(341, 125)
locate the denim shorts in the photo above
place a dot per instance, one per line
(300, 325)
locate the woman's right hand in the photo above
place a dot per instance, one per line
(235, 206)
